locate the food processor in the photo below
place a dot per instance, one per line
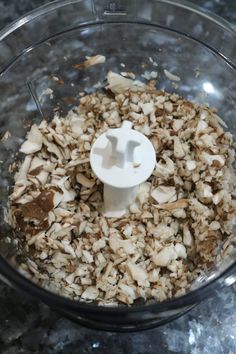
(39, 57)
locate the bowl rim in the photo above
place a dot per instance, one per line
(56, 4)
(20, 282)
(14, 278)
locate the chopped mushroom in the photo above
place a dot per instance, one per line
(180, 224)
(210, 159)
(178, 148)
(187, 236)
(94, 60)
(138, 274)
(34, 141)
(164, 194)
(84, 181)
(116, 243)
(191, 165)
(163, 232)
(171, 76)
(119, 84)
(91, 293)
(165, 256)
(165, 169)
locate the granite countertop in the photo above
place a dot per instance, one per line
(28, 326)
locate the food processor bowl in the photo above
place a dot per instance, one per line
(176, 36)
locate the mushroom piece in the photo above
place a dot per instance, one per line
(179, 152)
(165, 169)
(164, 194)
(118, 84)
(90, 293)
(165, 256)
(34, 141)
(210, 159)
(138, 274)
(117, 243)
(171, 76)
(84, 181)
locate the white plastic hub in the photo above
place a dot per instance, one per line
(122, 159)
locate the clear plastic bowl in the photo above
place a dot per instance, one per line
(198, 46)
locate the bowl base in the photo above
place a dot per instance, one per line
(123, 327)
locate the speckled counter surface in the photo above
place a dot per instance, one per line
(27, 326)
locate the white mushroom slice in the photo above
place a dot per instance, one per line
(203, 114)
(128, 230)
(84, 181)
(98, 245)
(19, 189)
(145, 129)
(137, 116)
(88, 257)
(138, 274)
(77, 125)
(165, 170)
(210, 159)
(214, 225)
(91, 293)
(128, 291)
(179, 213)
(104, 226)
(164, 194)
(163, 232)
(53, 148)
(36, 162)
(191, 165)
(203, 190)
(90, 61)
(199, 208)
(63, 213)
(147, 215)
(25, 198)
(66, 244)
(117, 243)
(147, 108)
(168, 106)
(177, 124)
(178, 148)
(207, 140)
(118, 84)
(154, 276)
(202, 125)
(144, 192)
(165, 256)
(68, 194)
(179, 204)
(70, 278)
(57, 198)
(217, 197)
(180, 250)
(24, 168)
(76, 162)
(171, 76)
(41, 175)
(34, 141)
(187, 236)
